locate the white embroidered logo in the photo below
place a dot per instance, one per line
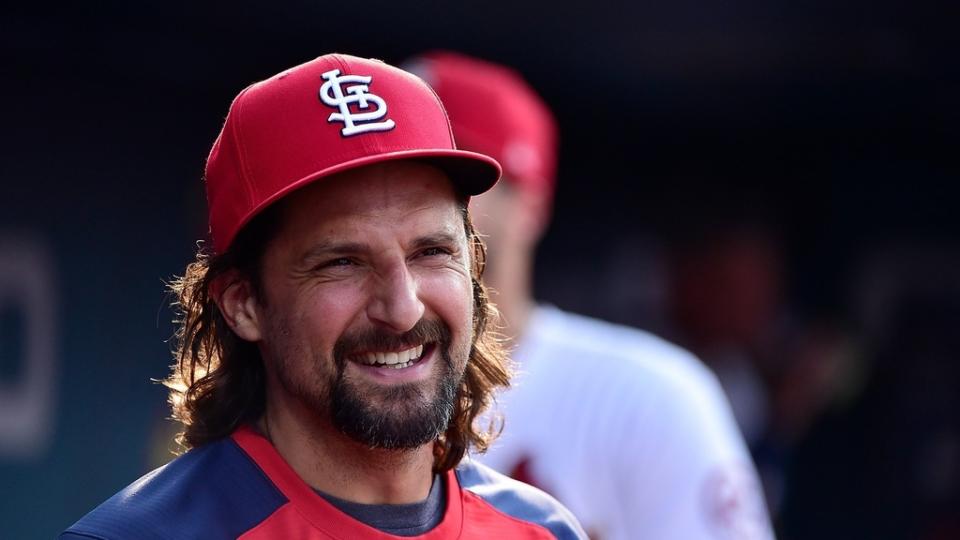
(358, 91)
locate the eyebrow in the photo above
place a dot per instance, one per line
(440, 238)
(329, 248)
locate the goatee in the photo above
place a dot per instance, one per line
(403, 416)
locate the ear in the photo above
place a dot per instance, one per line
(237, 302)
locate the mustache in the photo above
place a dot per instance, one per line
(374, 339)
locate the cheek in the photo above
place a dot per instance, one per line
(321, 315)
(450, 297)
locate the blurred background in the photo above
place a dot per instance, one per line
(770, 184)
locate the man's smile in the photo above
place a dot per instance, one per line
(390, 359)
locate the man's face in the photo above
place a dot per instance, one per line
(366, 303)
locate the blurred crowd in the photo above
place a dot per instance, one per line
(852, 414)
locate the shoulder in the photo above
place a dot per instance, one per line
(626, 359)
(552, 327)
(518, 500)
(631, 385)
(214, 491)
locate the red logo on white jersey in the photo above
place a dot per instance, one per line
(734, 504)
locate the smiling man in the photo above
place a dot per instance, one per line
(334, 348)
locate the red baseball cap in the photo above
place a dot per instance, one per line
(331, 114)
(513, 125)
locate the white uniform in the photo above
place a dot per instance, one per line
(631, 433)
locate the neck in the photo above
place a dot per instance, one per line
(333, 463)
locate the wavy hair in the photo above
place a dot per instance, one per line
(217, 382)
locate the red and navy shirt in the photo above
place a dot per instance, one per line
(240, 487)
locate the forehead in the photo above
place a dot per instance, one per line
(398, 195)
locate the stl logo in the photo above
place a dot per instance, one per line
(357, 92)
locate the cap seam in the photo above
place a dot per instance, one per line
(241, 149)
(453, 140)
(341, 62)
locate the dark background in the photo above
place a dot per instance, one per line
(821, 135)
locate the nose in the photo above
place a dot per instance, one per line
(395, 301)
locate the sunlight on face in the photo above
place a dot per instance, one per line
(367, 302)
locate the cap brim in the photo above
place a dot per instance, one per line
(471, 173)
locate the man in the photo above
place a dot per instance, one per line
(334, 349)
(633, 434)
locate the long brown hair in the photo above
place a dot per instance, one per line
(218, 379)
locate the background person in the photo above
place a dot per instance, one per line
(632, 433)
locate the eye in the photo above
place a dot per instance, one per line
(334, 263)
(434, 251)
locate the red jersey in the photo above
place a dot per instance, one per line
(240, 487)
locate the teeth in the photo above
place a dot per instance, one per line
(396, 360)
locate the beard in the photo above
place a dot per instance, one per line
(393, 417)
